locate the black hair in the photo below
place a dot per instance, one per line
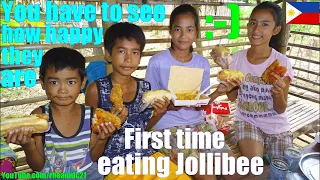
(183, 9)
(121, 31)
(61, 58)
(276, 12)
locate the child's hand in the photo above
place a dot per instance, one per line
(21, 136)
(278, 86)
(160, 106)
(225, 87)
(171, 107)
(222, 62)
(105, 130)
(121, 113)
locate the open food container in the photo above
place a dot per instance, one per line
(184, 85)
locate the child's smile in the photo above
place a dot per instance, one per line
(261, 27)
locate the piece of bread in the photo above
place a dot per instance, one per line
(39, 123)
(149, 96)
(275, 68)
(116, 96)
(102, 116)
(226, 74)
(222, 51)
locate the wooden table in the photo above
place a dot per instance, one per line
(313, 147)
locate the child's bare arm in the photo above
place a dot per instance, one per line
(232, 95)
(91, 98)
(36, 156)
(99, 140)
(31, 144)
(35, 153)
(160, 107)
(279, 92)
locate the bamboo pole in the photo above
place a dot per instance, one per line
(125, 16)
(304, 33)
(159, 28)
(12, 67)
(198, 43)
(178, 2)
(304, 59)
(80, 46)
(304, 46)
(23, 101)
(284, 33)
(97, 49)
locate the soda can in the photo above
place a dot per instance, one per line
(292, 156)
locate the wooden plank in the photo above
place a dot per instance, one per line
(305, 47)
(291, 102)
(304, 59)
(304, 123)
(125, 16)
(304, 33)
(179, 2)
(305, 88)
(306, 138)
(302, 110)
(307, 80)
(305, 115)
(309, 118)
(307, 71)
(21, 158)
(23, 167)
(299, 142)
(306, 98)
(293, 109)
(23, 101)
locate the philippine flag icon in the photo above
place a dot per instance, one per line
(302, 12)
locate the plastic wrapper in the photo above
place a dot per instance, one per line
(149, 96)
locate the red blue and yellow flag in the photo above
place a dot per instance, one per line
(302, 12)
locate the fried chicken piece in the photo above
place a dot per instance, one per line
(116, 96)
(276, 68)
(102, 116)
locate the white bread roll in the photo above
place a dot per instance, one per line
(149, 96)
(39, 123)
(227, 74)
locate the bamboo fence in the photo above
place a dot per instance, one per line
(200, 47)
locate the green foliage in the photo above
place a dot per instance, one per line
(2, 90)
(314, 29)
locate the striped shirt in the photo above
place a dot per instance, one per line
(5, 150)
(68, 154)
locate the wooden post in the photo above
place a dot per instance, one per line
(105, 26)
(98, 50)
(284, 33)
(198, 43)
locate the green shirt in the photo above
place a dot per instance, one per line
(5, 150)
